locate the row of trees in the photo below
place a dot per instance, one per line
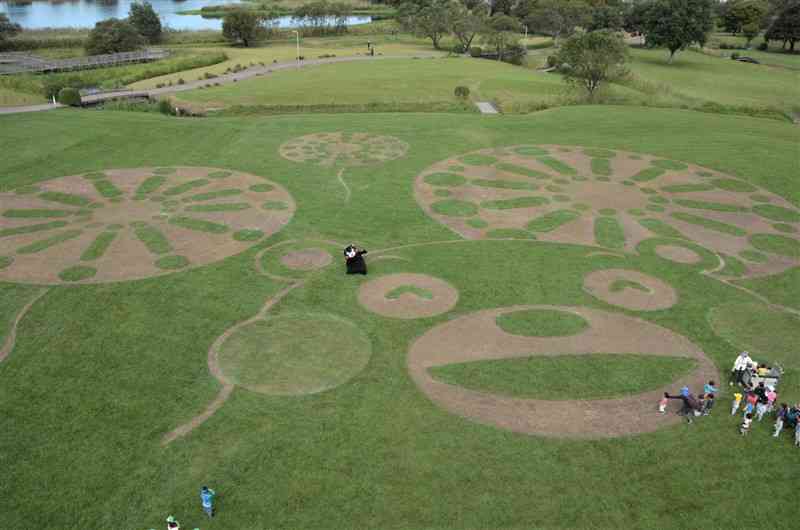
(780, 19)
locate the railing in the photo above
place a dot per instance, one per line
(20, 63)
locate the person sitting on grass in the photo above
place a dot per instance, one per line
(172, 523)
(355, 260)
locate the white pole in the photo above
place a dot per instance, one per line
(297, 36)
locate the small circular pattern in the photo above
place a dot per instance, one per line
(630, 289)
(345, 149)
(407, 296)
(134, 223)
(307, 259)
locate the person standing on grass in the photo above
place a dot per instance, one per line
(207, 500)
(172, 523)
(797, 434)
(741, 365)
(782, 412)
(746, 423)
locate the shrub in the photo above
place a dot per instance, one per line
(164, 107)
(69, 96)
(181, 81)
(209, 75)
(552, 61)
(724, 46)
(459, 49)
(764, 46)
(476, 51)
(735, 55)
(144, 18)
(462, 92)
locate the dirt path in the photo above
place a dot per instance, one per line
(12, 334)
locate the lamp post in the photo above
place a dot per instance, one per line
(297, 36)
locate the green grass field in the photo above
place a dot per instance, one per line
(101, 372)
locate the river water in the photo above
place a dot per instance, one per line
(33, 14)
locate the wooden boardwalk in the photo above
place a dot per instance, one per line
(26, 63)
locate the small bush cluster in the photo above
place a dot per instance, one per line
(462, 92)
(727, 46)
(69, 96)
(476, 51)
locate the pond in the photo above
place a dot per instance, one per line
(33, 14)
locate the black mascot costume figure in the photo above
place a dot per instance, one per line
(355, 260)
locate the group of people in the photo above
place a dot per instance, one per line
(206, 501)
(692, 405)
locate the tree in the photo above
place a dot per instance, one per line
(113, 36)
(590, 59)
(558, 18)
(7, 28)
(465, 23)
(431, 20)
(676, 24)
(146, 21)
(501, 32)
(786, 25)
(607, 16)
(741, 13)
(241, 26)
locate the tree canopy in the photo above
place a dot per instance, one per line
(590, 59)
(144, 18)
(675, 24)
(7, 28)
(241, 26)
(113, 36)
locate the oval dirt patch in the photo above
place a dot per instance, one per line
(476, 336)
(307, 259)
(678, 254)
(408, 296)
(630, 289)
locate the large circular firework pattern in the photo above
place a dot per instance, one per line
(343, 149)
(127, 224)
(613, 199)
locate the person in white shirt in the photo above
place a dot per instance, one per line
(742, 364)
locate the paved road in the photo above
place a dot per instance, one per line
(255, 71)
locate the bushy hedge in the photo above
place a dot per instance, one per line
(461, 92)
(36, 43)
(69, 96)
(476, 51)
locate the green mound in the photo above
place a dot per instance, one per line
(107, 189)
(211, 195)
(99, 246)
(186, 186)
(783, 227)
(69, 199)
(27, 190)
(150, 184)
(648, 174)
(686, 188)
(521, 170)
(52, 241)
(94, 175)
(655, 208)
(262, 188)
(248, 235)
(443, 193)
(660, 228)
(776, 244)
(601, 166)
(673, 165)
(758, 197)
(552, 220)
(733, 185)
(219, 174)
(221, 207)
(658, 199)
(561, 198)
(638, 212)
(768, 334)
(517, 202)
(557, 165)
(445, 179)
(478, 160)
(275, 205)
(36, 213)
(77, 273)
(711, 224)
(152, 238)
(581, 207)
(530, 150)
(563, 377)
(454, 208)
(599, 153)
(5, 261)
(608, 232)
(397, 292)
(477, 223)
(295, 354)
(777, 213)
(607, 211)
(200, 225)
(172, 262)
(713, 206)
(505, 184)
(164, 170)
(620, 285)
(542, 323)
(553, 188)
(509, 233)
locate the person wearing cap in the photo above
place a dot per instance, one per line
(207, 500)
(172, 523)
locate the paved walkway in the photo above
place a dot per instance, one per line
(485, 107)
(222, 79)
